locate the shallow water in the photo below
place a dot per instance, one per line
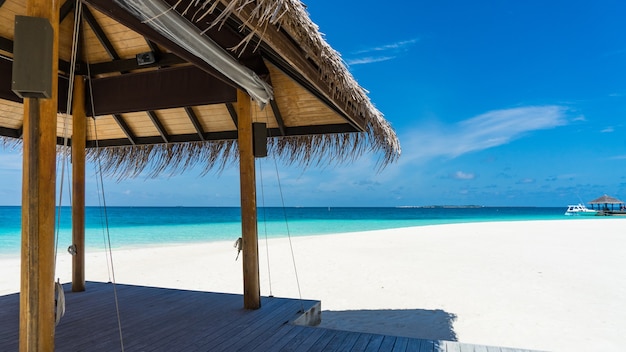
(140, 226)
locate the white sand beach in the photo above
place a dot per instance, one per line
(546, 285)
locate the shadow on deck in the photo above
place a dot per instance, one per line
(161, 319)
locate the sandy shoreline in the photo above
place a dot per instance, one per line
(549, 285)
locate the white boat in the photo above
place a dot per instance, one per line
(580, 209)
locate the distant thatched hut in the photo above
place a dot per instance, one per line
(602, 203)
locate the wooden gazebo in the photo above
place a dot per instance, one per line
(163, 85)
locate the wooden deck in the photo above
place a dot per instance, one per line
(159, 319)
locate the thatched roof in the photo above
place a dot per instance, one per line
(606, 200)
(179, 111)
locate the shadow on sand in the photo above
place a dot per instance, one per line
(416, 323)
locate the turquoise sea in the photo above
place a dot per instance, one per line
(140, 226)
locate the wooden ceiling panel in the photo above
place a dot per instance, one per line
(126, 42)
(176, 121)
(11, 114)
(64, 125)
(215, 118)
(66, 33)
(107, 128)
(7, 16)
(93, 51)
(266, 115)
(140, 124)
(298, 107)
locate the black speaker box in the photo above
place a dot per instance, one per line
(32, 57)
(259, 133)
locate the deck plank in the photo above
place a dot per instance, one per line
(303, 341)
(162, 319)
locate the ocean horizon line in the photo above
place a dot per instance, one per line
(429, 206)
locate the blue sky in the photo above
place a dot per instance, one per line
(512, 103)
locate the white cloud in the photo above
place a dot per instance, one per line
(481, 132)
(401, 45)
(460, 175)
(608, 130)
(381, 53)
(369, 60)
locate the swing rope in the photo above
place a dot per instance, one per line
(282, 201)
(103, 211)
(102, 198)
(59, 311)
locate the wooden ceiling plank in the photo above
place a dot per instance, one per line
(278, 116)
(95, 27)
(233, 113)
(194, 120)
(159, 126)
(120, 121)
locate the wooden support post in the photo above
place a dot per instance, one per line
(251, 287)
(79, 137)
(38, 204)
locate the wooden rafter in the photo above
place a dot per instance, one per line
(278, 116)
(233, 113)
(196, 123)
(159, 126)
(66, 8)
(124, 126)
(153, 47)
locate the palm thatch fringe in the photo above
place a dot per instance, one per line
(292, 17)
(157, 159)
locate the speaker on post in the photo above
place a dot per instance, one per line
(32, 57)
(259, 133)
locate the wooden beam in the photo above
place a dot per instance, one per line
(278, 116)
(124, 126)
(176, 138)
(233, 113)
(158, 89)
(196, 123)
(159, 126)
(79, 138)
(66, 8)
(38, 203)
(251, 287)
(164, 59)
